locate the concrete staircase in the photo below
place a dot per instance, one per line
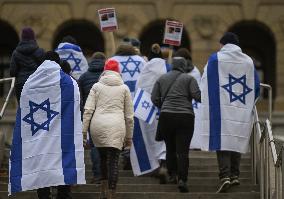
(203, 181)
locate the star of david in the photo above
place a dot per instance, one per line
(145, 105)
(34, 107)
(77, 61)
(127, 69)
(194, 104)
(229, 87)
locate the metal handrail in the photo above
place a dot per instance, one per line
(9, 94)
(263, 149)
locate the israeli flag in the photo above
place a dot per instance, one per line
(47, 147)
(229, 88)
(130, 68)
(144, 109)
(74, 55)
(145, 152)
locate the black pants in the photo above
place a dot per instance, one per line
(229, 164)
(177, 129)
(109, 165)
(63, 192)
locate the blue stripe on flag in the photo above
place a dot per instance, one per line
(214, 103)
(67, 129)
(140, 148)
(16, 156)
(69, 47)
(168, 67)
(150, 114)
(138, 99)
(131, 85)
(256, 85)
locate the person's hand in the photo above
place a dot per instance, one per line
(85, 139)
(127, 143)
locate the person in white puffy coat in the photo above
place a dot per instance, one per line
(108, 113)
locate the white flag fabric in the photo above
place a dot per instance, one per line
(145, 152)
(229, 88)
(130, 68)
(144, 109)
(47, 148)
(195, 141)
(74, 55)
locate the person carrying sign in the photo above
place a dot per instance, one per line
(229, 87)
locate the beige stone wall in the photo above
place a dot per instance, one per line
(205, 21)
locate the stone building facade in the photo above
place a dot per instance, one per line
(259, 23)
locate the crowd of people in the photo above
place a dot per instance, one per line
(107, 88)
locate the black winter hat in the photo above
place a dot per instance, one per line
(230, 38)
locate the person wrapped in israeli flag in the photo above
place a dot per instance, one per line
(74, 55)
(229, 87)
(146, 153)
(130, 65)
(47, 147)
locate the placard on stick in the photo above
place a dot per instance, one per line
(108, 20)
(173, 33)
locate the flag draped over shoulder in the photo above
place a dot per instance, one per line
(146, 152)
(47, 147)
(130, 68)
(229, 88)
(74, 55)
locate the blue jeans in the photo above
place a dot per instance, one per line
(95, 157)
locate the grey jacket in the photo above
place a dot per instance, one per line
(184, 89)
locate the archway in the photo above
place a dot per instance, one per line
(257, 40)
(88, 36)
(154, 33)
(8, 42)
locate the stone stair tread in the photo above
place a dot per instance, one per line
(164, 188)
(149, 195)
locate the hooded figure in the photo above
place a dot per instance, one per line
(173, 93)
(89, 78)
(25, 59)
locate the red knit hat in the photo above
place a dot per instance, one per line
(112, 65)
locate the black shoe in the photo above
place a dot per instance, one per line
(235, 181)
(172, 179)
(182, 186)
(224, 185)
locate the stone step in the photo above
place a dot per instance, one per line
(192, 168)
(155, 187)
(149, 180)
(149, 195)
(192, 173)
(163, 188)
(192, 153)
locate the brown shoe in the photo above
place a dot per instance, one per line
(111, 194)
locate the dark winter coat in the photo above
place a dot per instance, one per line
(25, 60)
(89, 78)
